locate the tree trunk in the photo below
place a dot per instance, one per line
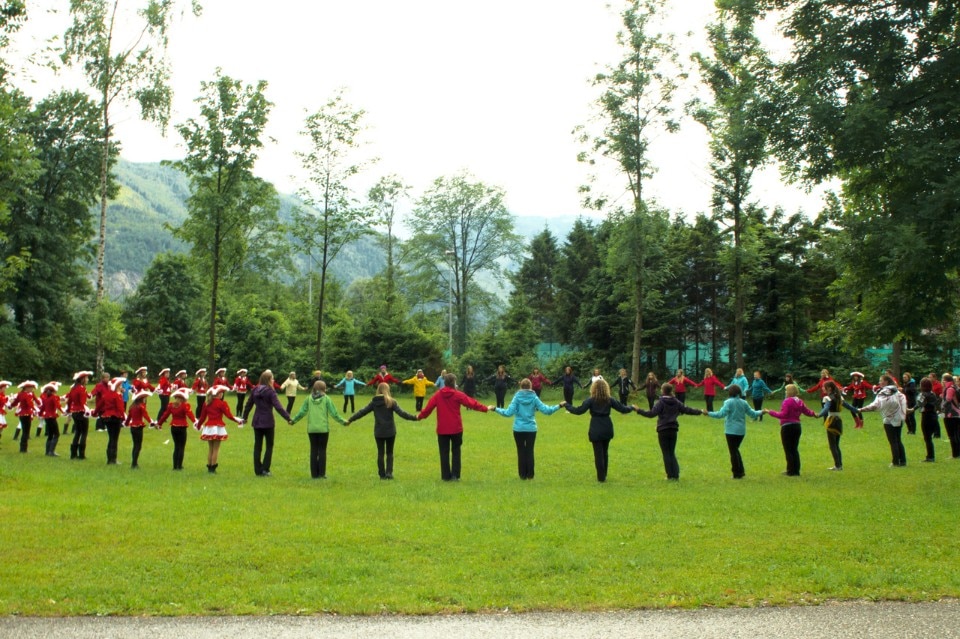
(214, 291)
(637, 332)
(102, 243)
(895, 359)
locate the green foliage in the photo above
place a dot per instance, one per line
(461, 230)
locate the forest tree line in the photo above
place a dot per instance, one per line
(866, 98)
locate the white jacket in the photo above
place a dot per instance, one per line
(891, 404)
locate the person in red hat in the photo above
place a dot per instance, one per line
(135, 421)
(212, 428)
(141, 382)
(241, 384)
(180, 418)
(200, 387)
(113, 414)
(50, 410)
(26, 403)
(859, 387)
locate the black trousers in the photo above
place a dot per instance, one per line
(241, 399)
(601, 458)
(911, 420)
(623, 398)
(351, 399)
(201, 400)
(682, 397)
(179, 436)
(927, 428)
(790, 439)
(501, 394)
(81, 426)
(318, 454)
(419, 403)
(736, 461)
(668, 446)
(952, 424)
(113, 424)
(262, 450)
(651, 400)
(450, 455)
(53, 434)
(164, 400)
(709, 400)
(833, 440)
(26, 423)
(568, 395)
(897, 453)
(290, 401)
(385, 456)
(525, 462)
(136, 434)
(757, 403)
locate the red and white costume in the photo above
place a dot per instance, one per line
(211, 424)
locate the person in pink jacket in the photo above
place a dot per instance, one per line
(448, 401)
(789, 416)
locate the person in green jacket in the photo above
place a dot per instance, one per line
(319, 409)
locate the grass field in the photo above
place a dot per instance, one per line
(86, 538)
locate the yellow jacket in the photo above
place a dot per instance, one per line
(419, 385)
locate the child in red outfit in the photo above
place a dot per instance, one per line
(211, 426)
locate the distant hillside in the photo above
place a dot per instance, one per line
(152, 196)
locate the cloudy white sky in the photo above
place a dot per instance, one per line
(494, 88)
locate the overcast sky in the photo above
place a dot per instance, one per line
(495, 88)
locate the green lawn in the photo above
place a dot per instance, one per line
(85, 538)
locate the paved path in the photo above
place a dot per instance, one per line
(829, 621)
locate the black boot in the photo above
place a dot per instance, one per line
(73, 451)
(39, 430)
(16, 434)
(213, 469)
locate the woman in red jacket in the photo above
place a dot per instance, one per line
(50, 410)
(3, 405)
(448, 401)
(26, 403)
(241, 383)
(135, 422)
(77, 398)
(200, 387)
(710, 385)
(180, 417)
(211, 426)
(538, 379)
(113, 414)
(680, 384)
(164, 388)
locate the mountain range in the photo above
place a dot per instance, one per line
(152, 200)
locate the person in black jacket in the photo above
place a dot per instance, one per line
(624, 384)
(470, 382)
(501, 382)
(666, 410)
(384, 427)
(570, 383)
(601, 426)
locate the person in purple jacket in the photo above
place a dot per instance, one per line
(666, 410)
(264, 397)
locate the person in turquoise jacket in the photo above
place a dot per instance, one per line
(319, 410)
(758, 390)
(349, 391)
(734, 414)
(523, 408)
(739, 380)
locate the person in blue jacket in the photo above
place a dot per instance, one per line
(349, 390)
(758, 390)
(734, 414)
(523, 408)
(740, 380)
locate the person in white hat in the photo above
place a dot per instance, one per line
(220, 377)
(141, 381)
(4, 384)
(136, 417)
(241, 384)
(77, 398)
(50, 410)
(179, 380)
(211, 425)
(180, 418)
(164, 388)
(113, 414)
(200, 387)
(26, 403)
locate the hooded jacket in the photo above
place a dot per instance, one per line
(523, 407)
(266, 401)
(734, 414)
(448, 401)
(384, 425)
(667, 409)
(319, 409)
(601, 426)
(891, 404)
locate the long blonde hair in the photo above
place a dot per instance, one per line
(600, 391)
(384, 389)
